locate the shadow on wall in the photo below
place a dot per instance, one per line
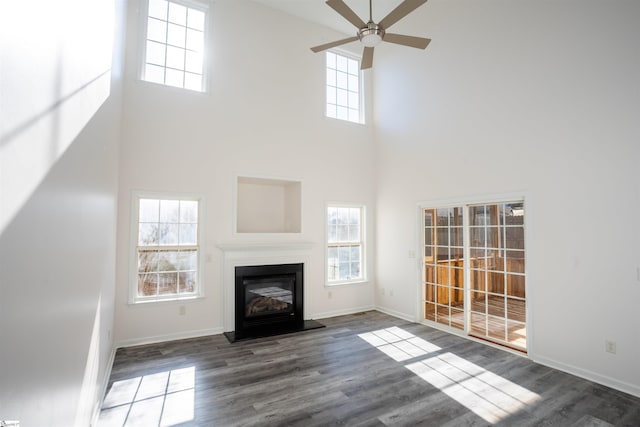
(56, 73)
(29, 151)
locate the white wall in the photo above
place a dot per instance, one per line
(52, 82)
(263, 116)
(538, 98)
(58, 169)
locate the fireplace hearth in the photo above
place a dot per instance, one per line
(269, 300)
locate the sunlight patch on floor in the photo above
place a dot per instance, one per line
(486, 394)
(399, 344)
(165, 398)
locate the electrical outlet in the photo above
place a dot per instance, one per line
(182, 310)
(330, 294)
(610, 347)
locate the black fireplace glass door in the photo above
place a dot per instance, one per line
(268, 295)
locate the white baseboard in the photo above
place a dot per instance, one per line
(334, 313)
(169, 337)
(398, 314)
(103, 387)
(588, 375)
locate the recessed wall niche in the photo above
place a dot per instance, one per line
(265, 205)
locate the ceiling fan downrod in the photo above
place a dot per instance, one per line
(372, 34)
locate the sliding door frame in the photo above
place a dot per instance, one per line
(465, 203)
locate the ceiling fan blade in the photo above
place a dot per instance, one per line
(403, 9)
(367, 58)
(348, 14)
(411, 41)
(333, 44)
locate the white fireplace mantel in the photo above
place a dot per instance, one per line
(264, 246)
(241, 254)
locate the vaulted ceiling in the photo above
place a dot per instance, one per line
(318, 12)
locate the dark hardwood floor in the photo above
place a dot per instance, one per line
(366, 369)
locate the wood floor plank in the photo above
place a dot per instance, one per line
(334, 377)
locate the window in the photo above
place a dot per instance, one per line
(345, 244)
(174, 44)
(343, 88)
(167, 249)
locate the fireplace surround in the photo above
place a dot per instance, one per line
(265, 289)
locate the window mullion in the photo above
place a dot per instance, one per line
(466, 245)
(338, 244)
(167, 248)
(166, 45)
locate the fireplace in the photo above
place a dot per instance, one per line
(269, 300)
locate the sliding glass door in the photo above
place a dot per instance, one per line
(497, 279)
(474, 272)
(443, 266)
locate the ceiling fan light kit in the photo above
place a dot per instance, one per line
(371, 34)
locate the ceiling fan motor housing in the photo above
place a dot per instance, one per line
(371, 35)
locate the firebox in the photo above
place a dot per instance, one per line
(268, 299)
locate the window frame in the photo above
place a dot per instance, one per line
(136, 196)
(200, 5)
(361, 98)
(361, 243)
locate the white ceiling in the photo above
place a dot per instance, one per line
(317, 11)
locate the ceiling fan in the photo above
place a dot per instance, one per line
(371, 34)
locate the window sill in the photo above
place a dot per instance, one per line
(346, 283)
(335, 119)
(165, 300)
(172, 89)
